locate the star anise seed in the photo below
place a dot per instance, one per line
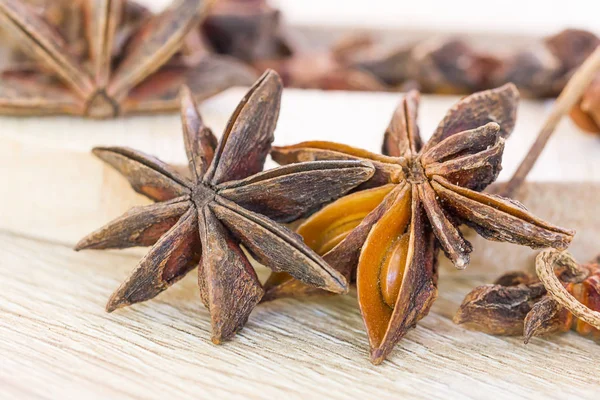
(130, 61)
(389, 232)
(201, 221)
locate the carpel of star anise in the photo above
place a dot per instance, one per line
(564, 296)
(389, 231)
(130, 61)
(227, 202)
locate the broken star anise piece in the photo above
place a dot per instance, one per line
(389, 232)
(566, 296)
(226, 203)
(130, 61)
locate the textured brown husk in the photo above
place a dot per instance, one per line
(427, 191)
(227, 202)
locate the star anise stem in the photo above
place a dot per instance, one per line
(545, 264)
(564, 103)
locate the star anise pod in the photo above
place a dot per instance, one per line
(543, 69)
(567, 297)
(202, 220)
(451, 66)
(388, 233)
(130, 62)
(248, 30)
(332, 68)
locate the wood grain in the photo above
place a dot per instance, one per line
(56, 341)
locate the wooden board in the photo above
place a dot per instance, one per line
(56, 341)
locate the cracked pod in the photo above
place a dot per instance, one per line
(388, 231)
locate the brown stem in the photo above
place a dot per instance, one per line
(545, 263)
(570, 95)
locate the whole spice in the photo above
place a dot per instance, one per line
(249, 30)
(329, 69)
(389, 231)
(544, 69)
(518, 303)
(202, 220)
(130, 61)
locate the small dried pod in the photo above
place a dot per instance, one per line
(544, 69)
(249, 30)
(565, 296)
(451, 66)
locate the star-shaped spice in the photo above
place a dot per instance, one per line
(130, 61)
(520, 303)
(202, 220)
(389, 232)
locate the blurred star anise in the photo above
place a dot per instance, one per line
(248, 30)
(389, 232)
(108, 58)
(202, 220)
(520, 303)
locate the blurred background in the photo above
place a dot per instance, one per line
(527, 16)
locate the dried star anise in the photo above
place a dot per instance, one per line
(544, 69)
(202, 220)
(521, 304)
(248, 30)
(329, 69)
(389, 232)
(130, 61)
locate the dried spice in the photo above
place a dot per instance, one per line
(544, 69)
(202, 220)
(329, 69)
(451, 66)
(130, 61)
(249, 30)
(567, 297)
(253, 31)
(388, 232)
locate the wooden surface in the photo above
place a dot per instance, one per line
(56, 341)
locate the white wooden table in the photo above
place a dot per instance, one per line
(56, 341)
